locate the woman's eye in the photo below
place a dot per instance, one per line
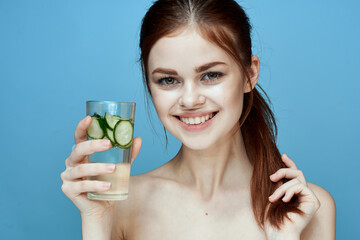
(167, 81)
(212, 76)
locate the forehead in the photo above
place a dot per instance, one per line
(185, 50)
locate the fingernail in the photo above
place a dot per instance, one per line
(105, 142)
(107, 185)
(271, 197)
(110, 167)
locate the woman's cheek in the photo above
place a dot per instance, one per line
(233, 100)
(163, 102)
(224, 95)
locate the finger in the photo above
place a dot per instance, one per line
(137, 142)
(288, 162)
(76, 188)
(288, 173)
(80, 131)
(295, 189)
(83, 149)
(88, 169)
(308, 201)
(280, 191)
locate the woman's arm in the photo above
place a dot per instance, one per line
(322, 225)
(96, 228)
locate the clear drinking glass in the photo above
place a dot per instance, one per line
(114, 121)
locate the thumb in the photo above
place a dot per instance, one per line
(136, 146)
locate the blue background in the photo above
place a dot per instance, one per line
(55, 55)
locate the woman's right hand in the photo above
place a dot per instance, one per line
(75, 185)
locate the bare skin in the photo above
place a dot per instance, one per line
(190, 212)
(162, 205)
(199, 205)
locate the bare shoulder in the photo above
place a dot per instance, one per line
(141, 194)
(326, 200)
(141, 186)
(123, 209)
(324, 220)
(139, 189)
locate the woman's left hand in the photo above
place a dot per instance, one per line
(309, 203)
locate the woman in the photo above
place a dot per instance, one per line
(228, 180)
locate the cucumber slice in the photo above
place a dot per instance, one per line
(110, 135)
(126, 146)
(111, 120)
(123, 133)
(95, 130)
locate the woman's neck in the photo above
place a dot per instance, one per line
(224, 165)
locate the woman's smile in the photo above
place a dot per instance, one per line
(195, 121)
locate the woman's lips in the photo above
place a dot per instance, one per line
(195, 121)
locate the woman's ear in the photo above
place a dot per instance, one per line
(253, 74)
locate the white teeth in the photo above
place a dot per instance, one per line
(196, 120)
(185, 120)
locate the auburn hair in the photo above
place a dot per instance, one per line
(224, 23)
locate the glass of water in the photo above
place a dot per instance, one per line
(113, 121)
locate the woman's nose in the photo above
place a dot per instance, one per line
(191, 96)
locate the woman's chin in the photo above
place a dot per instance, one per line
(197, 146)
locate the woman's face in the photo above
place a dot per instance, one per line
(197, 89)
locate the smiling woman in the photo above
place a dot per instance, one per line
(228, 180)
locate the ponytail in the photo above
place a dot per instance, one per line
(259, 131)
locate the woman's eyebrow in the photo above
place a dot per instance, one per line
(207, 66)
(164, 71)
(199, 69)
